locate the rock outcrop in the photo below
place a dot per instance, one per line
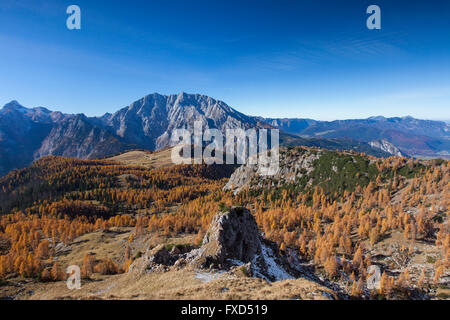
(294, 165)
(232, 241)
(232, 236)
(386, 146)
(160, 258)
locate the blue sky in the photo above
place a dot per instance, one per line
(290, 58)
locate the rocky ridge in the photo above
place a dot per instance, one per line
(293, 166)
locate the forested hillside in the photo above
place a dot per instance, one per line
(340, 212)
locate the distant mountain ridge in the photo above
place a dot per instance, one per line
(410, 136)
(27, 134)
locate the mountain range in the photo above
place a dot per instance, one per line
(27, 134)
(399, 136)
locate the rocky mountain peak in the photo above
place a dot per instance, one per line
(21, 113)
(149, 122)
(14, 105)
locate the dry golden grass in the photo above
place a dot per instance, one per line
(186, 283)
(183, 284)
(141, 158)
(101, 244)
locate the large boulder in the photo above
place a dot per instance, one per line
(160, 255)
(156, 257)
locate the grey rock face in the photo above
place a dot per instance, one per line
(160, 255)
(292, 167)
(150, 121)
(231, 235)
(78, 137)
(386, 146)
(233, 240)
(156, 259)
(241, 178)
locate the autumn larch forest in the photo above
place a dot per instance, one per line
(338, 225)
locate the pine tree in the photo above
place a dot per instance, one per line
(422, 280)
(56, 272)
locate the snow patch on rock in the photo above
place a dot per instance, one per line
(274, 270)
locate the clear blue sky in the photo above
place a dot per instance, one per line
(307, 58)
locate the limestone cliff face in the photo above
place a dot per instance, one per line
(78, 137)
(294, 165)
(151, 120)
(386, 146)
